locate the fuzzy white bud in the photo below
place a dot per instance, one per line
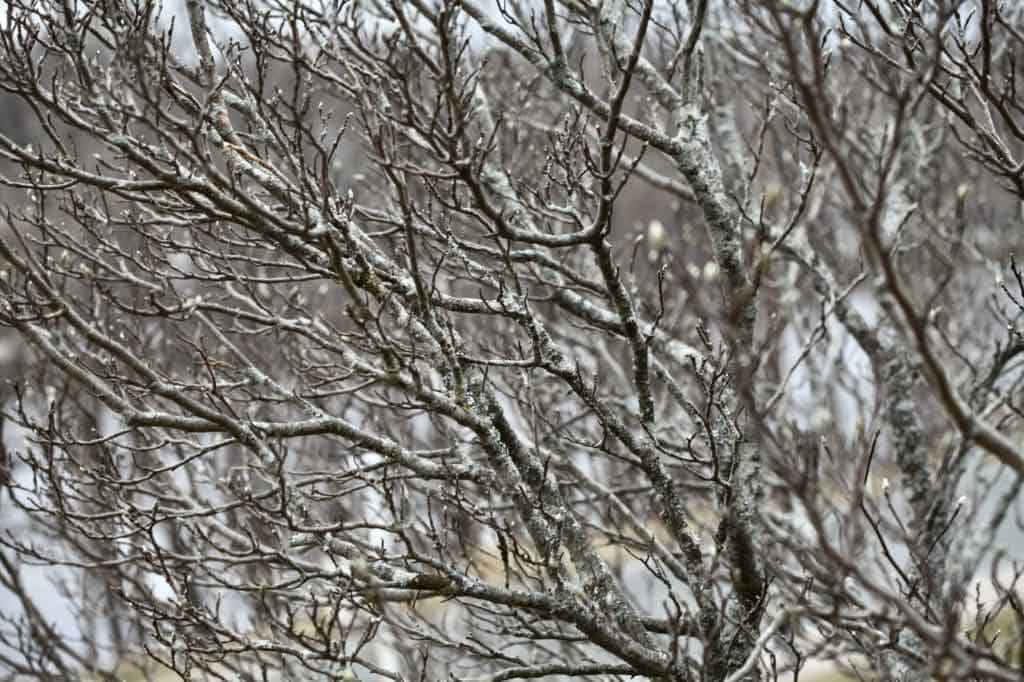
(656, 234)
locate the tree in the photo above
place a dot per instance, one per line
(451, 339)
